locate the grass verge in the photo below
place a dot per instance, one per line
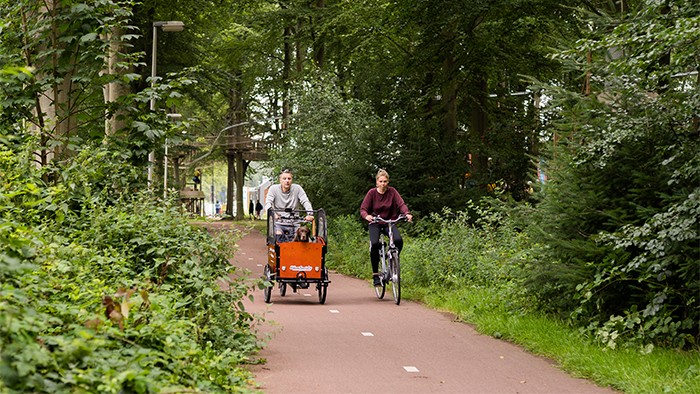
(626, 370)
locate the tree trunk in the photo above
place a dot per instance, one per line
(114, 89)
(319, 45)
(299, 48)
(479, 119)
(234, 154)
(449, 101)
(230, 182)
(241, 168)
(53, 106)
(286, 76)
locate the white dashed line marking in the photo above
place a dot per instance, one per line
(334, 311)
(411, 369)
(367, 334)
(259, 265)
(307, 295)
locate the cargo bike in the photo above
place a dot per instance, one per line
(293, 260)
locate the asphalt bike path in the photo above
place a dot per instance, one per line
(355, 343)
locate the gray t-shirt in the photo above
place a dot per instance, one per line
(277, 199)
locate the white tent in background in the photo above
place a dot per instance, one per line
(255, 194)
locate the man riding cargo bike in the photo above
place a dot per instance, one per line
(296, 240)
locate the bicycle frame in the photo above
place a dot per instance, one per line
(385, 251)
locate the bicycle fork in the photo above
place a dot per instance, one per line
(386, 273)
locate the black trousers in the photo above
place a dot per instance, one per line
(374, 231)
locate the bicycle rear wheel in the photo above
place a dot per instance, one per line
(395, 276)
(322, 287)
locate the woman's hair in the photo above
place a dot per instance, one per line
(382, 173)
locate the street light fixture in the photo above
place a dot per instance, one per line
(169, 26)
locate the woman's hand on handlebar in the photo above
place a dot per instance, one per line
(407, 217)
(377, 219)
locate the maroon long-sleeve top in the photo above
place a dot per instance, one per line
(388, 205)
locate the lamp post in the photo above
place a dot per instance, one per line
(174, 118)
(166, 26)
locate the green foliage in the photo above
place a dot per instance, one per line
(412, 75)
(349, 241)
(115, 294)
(64, 50)
(474, 247)
(56, 59)
(619, 220)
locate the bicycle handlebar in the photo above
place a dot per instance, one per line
(291, 214)
(379, 219)
(291, 219)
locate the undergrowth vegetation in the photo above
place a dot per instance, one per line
(105, 290)
(478, 264)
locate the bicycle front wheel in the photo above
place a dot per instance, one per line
(379, 290)
(395, 275)
(267, 291)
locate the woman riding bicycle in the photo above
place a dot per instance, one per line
(386, 202)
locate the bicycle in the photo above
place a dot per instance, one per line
(390, 262)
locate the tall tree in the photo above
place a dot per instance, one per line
(619, 216)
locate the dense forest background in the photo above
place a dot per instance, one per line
(579, 118)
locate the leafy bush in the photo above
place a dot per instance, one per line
(349, 252)
(479, 247)
(106, 291)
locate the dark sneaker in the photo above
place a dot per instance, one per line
(377, 280)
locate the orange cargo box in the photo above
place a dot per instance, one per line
(296, 257)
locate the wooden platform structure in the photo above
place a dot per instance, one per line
(192, 201)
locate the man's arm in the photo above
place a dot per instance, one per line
(304, 201)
